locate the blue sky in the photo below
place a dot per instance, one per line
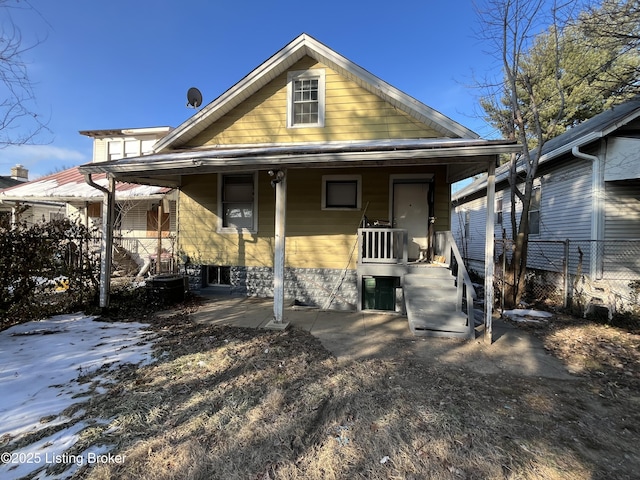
(126, 64)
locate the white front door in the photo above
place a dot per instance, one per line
(411, 212)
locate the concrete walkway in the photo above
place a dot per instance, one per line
(360, 335)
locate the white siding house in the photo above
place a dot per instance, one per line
(136, 232)
(587, 194)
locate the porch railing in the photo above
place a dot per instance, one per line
(382, 245)
(144, 251)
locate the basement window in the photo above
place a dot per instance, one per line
(305, 98)
(218, 275)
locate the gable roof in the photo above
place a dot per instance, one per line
(301, 46)
(69, 185)
(599, 126)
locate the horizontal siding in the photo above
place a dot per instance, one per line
(622, 211)
(351, 113)
(99, 150)
(316, 238)
(565, 212)
(566, 203)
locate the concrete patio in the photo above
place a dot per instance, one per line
(359, 335)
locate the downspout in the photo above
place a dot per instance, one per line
(106, 241)
(597, 210)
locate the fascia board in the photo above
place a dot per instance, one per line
(171, 163)
(503, 171)
(44, 201)
(54, 200)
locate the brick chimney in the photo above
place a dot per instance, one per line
(20, 173)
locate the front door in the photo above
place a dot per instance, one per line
(411, 212)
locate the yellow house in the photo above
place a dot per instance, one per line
(311, 179)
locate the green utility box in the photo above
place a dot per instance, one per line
(380, 293)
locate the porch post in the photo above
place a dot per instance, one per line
(488, 256)
(106, 242)
(280, 184)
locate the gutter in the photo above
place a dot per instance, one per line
(91, 183)
(597, 208)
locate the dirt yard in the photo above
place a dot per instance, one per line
(231, 403)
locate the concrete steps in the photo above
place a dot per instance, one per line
(430, 298)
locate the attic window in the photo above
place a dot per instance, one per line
(305, 98)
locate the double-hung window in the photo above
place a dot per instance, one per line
(305, 98)
(237, 203)
(534, 212)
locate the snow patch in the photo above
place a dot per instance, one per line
(41, 365)
(527, 315)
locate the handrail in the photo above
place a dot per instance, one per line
(463, 279)
(458, 257)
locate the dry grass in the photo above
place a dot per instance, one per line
(227, 403)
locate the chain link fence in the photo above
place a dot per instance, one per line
(576, 274)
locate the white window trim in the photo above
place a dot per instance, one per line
(341, 178)
(219, 227)
(536, 186)
(314, 73)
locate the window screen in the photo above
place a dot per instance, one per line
(237, 201)
(341, 194)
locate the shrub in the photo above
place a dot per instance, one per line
(46, 268)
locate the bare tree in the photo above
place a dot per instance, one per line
(561, 64)
(512, 27)
(19, 122)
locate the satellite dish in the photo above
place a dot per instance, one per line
(194, 98)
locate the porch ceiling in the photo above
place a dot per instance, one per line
(463, 157)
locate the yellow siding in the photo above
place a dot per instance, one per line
(351, 113)
(316, 238)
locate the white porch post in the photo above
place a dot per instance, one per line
(488, 256)
(106, 243)
(280, 184)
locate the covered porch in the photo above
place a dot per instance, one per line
(455, 159)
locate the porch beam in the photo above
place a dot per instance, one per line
(196, 161)
(488, 257)
(280, 183)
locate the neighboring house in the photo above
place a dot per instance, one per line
(135, 225)
(278, 175)
(29, 213)
(587, 196)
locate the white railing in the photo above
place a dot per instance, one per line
(144, 250)
(382, 245)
